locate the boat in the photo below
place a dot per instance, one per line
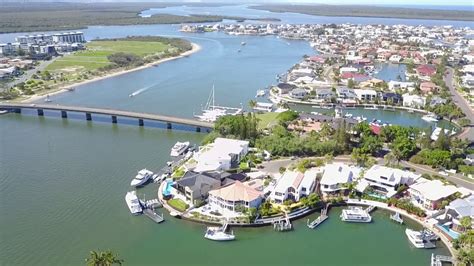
(260, 93)
(371, 107)
(430, 117)
(211, 112)
(141, 178)
(71, 89)
(397, 218)
(219, 234)
(243, 43)
(418, 239)
(133, 203)
(356, 215)
(179, 148)
(47, 100)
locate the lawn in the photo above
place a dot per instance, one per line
(95, 55)
(178, 205)
(267, 120)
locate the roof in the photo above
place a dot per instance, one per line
(236, 192)
(288, 180)
(464, 207)
(196, 181)
(434, 189)
(337, 173)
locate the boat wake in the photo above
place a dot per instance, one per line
(137, 92)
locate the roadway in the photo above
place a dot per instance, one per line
(462, 103)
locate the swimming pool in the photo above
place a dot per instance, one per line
(447, 230)
(167, 190)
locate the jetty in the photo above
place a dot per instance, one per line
(370, 209)
(150, 213)
(113, 113)
(283, 224)
(153, 203)
(437, 260)
(323, 217)
(397, 218)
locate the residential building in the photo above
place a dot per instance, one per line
(234, 196)
(298, 93)
(221, 155)
(293, 185)
(414, 101)
(336, 176)
(284, 88)
(365, 95)
(427, 87)
(458, 209)
(430, 193)
(195, 186)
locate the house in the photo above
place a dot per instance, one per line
(385, 180)
(235, 196)
(430, 193)
(425, 71)
(221, 155)
(335, 178)
(365, 95)
(427, 87)
(324, 94)
(298, 93)
(391, 97)
(293, 185)
(346, 94)
(458, 209)
(263, 107)
(284, 88)
(414, 101)
(195, 186)
(395, 58)
(400, 85)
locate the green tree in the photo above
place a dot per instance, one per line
(252, 104)
(103, 258)
(442, 142)
(466, 222)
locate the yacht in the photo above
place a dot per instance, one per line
(133, 203)
(430, 117)
(219, 234)
(141, 178)
(418, 239)
(260, 93)
(179, 148)
(356, 215)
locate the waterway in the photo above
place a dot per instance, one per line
(62, 182)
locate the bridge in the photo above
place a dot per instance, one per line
(113, 113)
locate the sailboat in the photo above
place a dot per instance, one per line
(211, 112)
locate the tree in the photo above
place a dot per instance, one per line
(350, 83)
(442, 142)
(466, 222)
(252, 104)
(103, 258)
(402, 148)
(359, 157)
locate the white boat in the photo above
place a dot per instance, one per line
(133, 203)
(179, 148)
(260, 93)
(243, 43)
(212, 112)
(141, 178)
(417, 238)
(47, 100)
(430, 117)
(356, 215)
(371, 108)
(219, 234)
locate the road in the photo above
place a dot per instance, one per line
(273, 168)
(462, 103)
(28, 73)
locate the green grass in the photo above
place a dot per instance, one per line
(267, 120)
(178, 205)
(95, 55)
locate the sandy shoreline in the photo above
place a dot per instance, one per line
(195, 48)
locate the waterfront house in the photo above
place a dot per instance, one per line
(400, 85)
(429, 194)
(427, 87)
(391, 97)
(235, 196)
(196, 186)
(293, 185)
(395, 58)
(284, 88)
(221, 155)
(365, 95)
(414, 101)
(385, 180)
(298, 93)
(335, 178)
(345, 94)
(324, 94)
(425, 71)
(458, 209)
(263, 107)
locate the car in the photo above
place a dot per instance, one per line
(443, 173)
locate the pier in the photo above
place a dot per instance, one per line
(283, 224)
(323, 217)
(153, 215)
(370, 209)
(437, 260)
(113, 113)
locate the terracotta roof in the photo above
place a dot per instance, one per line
(236, 192)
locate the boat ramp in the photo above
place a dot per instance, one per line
(323, 217)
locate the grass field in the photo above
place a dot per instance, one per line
(95, 56)
(267, 120)
(178, 204)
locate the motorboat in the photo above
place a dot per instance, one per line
(260, 93)
(219, 234)
(133, 203)
(141, 178)
(243, 43)
(419, 239)
(179, 148)
(356, 215)
(430, 117)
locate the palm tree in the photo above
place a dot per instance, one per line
(252, 104)
(103, 258)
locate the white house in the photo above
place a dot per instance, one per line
(298, 93)
(234, 195)
(365, 94)
(386, 180)
(294, 185)
(430, 193)
(336, 176)
(404, 85)
(221, 155)
(395, 58)
(415, 101)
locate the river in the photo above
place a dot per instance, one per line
(62, 182)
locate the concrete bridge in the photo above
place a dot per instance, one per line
(89, 111)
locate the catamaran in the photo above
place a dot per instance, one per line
(211, 112)
(179, 148)
(133, 203)
(218, 233)
(356, 215)
(141, 178)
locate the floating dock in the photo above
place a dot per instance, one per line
(370, 209)
(323, 217)
(437, 260)
(153, 215)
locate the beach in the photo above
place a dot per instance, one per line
(195, 48)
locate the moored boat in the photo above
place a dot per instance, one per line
(141, 178)
(430, 117)
(419, 239)
(179, 148)
(219, 234)
(356, 215)
(133, 203)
